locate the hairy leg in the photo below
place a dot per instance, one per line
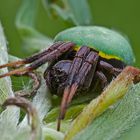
(106, 66)
(79, 70)
(89, 64)
(102, 78)
(42, 60)
(74, 69)
(32, 58)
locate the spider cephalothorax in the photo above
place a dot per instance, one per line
(73, 68)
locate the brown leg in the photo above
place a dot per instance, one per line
(32, 58)
(77, 62)
(109, 68)
(42, 60)
(102, 78)
(74, 69)
(89, 79)
(80, 67)
(90, 61)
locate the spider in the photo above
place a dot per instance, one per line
(70, 71)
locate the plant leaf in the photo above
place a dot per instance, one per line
(33, 40)
(42, 100)
(116, 120)
(71, 113)
(70, 10)
(8, 123)
(5, 83)
(116, 90)
(133, 133)
(51, 134)
(9, 117)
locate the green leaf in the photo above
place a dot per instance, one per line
(64, 125)
(52, 117)
(116, 90)
(8, 123)
(116, 120)
(133, 133)
(51, 134)
(42, 100)
(5, 83)
(70, 10)
(34, 132)
(71, 113)
(9, 117)
(33, 40)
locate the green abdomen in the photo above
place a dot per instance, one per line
(109, 43)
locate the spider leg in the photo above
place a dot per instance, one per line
(74, 69)
(89, 64)
(109, 68)
(76, 64)
(102, 78)
(46, 58)
(89, 79)
(32, 58)
(47, 77)
(78, 73)
(37, 82)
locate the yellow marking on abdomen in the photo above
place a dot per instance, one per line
(102, 54)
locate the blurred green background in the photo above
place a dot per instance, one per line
(120, 15)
